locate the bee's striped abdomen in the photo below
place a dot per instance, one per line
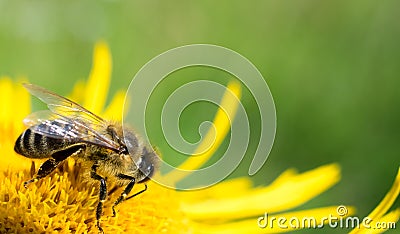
(35, 145)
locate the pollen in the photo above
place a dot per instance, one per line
(65, 202)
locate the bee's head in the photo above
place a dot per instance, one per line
(144, 158)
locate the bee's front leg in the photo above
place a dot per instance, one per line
(126, 191)
(102, 195)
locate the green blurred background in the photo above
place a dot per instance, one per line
(332, 67)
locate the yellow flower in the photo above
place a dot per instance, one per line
(63, 202)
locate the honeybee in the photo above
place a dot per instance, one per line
(69, 130)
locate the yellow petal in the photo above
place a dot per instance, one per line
(242, 185)
(387, 202)
(215, 136)
(11, 122)
(314, 218)
(115, 108)
(384, 205)
(78, 92)
(384, 223)
(6, 99)
(99, 79)
(24, 105)
(290, 193)
(285, 176)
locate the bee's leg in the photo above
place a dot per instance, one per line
(134, 195)
(48, 166)
(126, 191)
(102, 195)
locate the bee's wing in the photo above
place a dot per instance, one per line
(52, 125)
(66, 120)
(61, 105)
